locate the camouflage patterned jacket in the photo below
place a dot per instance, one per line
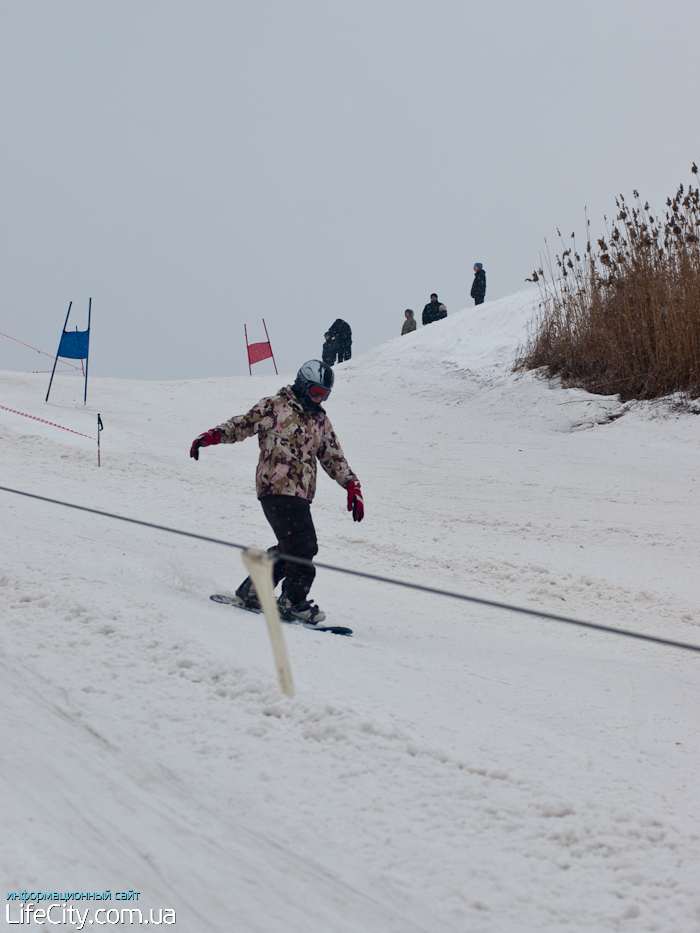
(290, 439)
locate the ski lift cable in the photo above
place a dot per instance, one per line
(378, 578)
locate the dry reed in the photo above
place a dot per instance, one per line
(625, 318)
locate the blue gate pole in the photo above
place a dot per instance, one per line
(59, 347)
(87, 361)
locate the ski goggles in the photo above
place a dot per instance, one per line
(318, 393)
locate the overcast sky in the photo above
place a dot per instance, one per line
(194, 165)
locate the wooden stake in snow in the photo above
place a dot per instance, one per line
(259, 565)
(100, 427)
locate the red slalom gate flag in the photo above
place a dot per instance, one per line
(259, 351)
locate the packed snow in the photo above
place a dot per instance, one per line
(450, 767)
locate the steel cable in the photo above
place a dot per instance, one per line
(435, 591)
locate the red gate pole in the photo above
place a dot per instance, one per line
(271, 353)
(250, 368)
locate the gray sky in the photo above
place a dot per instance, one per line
(195, 165)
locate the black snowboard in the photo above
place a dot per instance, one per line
(235, 601)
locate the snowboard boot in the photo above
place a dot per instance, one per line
(304, 611)
(248, 596)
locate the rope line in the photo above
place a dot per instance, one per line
(34, 348)
(44, 421)
(494, 604)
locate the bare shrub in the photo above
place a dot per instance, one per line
(625, 317)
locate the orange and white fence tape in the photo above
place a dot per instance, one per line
(44, 421)
(42, 353)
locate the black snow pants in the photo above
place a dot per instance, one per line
(290, 519)
(344, 350)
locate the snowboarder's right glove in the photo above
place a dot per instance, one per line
(355, 503)
(208, 439)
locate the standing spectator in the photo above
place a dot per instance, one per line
(409, 324)
(328, 352)
(431, 312)
(442, 312)
(479, 286)
(341, 335)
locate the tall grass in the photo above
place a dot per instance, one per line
(625, 317)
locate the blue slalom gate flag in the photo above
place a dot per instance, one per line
(74, 345)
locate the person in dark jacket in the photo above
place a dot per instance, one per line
(341, 334)
(431, 312)
(328, 353)
(409, 325)
(479, 286)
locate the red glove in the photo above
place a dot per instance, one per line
(355, 503)
(208, 439)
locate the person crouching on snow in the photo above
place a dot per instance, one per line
(293, 432)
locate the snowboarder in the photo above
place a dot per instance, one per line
(409, 325)
(328, 352)
(431, 312)
(293, 431)
(479, 285)
(341, 334)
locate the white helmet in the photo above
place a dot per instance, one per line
(314, 382)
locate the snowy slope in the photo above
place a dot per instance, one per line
(449, 768)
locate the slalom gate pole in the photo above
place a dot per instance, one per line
(59, 347)
(270, 346)
(100, 427)
(247, 351)
(87, 361)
